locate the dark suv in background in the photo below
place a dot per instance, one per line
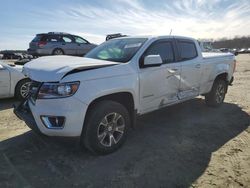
(57, 43)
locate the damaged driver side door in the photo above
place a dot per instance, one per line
(159, 85)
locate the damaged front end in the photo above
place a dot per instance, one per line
(23, 112)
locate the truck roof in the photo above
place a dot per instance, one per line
(158, 37)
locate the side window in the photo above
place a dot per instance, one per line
(80, 40)
(187, 50)
(164, 49)
(66, 39)
(52, 38)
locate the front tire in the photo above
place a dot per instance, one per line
(217, 95)
(106, 127)
(22, 89)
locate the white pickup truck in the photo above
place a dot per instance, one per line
(99, 96)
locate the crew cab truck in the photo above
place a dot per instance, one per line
(98, 97)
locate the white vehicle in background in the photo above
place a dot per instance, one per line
(13, 82)
(99, 96)
(242, 51)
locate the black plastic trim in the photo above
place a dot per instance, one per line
(22, 111)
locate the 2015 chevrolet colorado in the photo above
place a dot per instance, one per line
(99, 96)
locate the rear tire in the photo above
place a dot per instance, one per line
(106, 127)
(217, 95)
(22, 88)
(57, 51)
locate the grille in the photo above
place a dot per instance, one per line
(34, 89)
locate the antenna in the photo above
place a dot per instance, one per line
(170, 32)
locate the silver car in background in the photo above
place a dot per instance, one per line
(55, 43)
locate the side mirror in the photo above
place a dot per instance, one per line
(1, 67)
(152, 61)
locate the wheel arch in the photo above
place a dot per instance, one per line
(124, 98)
(222, 76)
(15, 88)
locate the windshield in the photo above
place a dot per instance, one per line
(117, 50)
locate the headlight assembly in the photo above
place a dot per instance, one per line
(57, 90)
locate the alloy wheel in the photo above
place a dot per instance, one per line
(24, 90)
(58, 52)
(220, 93)
(111, 129)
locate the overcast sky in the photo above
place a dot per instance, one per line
(20, 20)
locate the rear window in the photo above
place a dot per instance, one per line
(39, 38)
(187, 50)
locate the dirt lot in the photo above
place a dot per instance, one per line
(187, 145)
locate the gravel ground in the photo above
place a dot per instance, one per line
(186, 145)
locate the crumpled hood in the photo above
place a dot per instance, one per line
(19, 68)
(54, 68)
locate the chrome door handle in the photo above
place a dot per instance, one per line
(198, 66)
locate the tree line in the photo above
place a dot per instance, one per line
(237, 42)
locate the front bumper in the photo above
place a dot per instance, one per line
(71, 108)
